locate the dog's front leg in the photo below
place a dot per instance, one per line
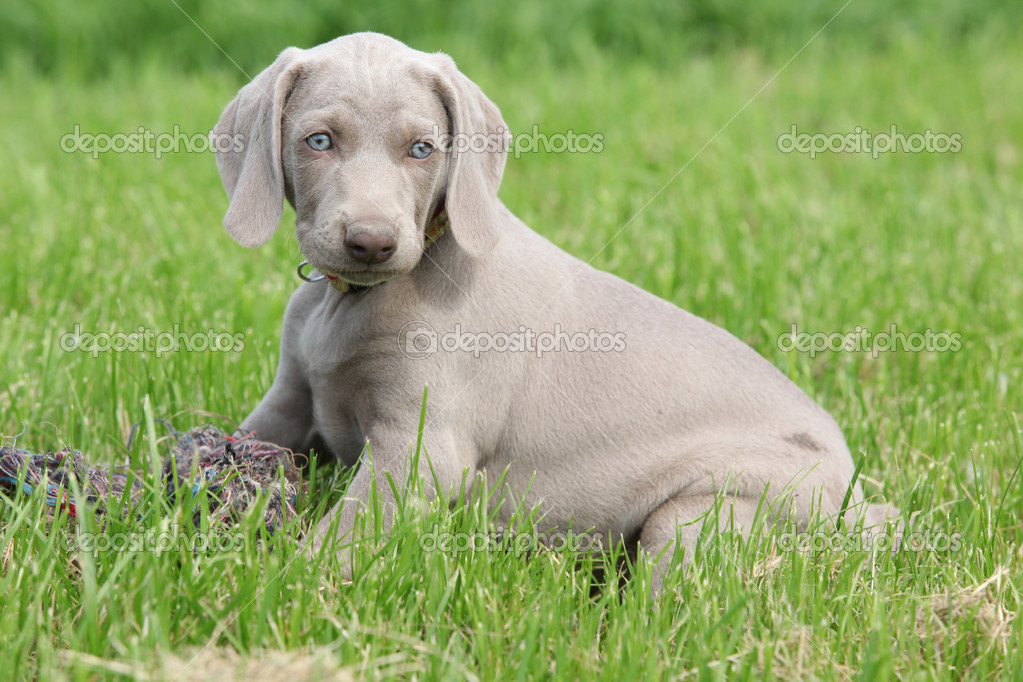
(283, 417)
(441, 468)
(285, 414)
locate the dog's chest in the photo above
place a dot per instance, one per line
(340, 354)
(331, 335)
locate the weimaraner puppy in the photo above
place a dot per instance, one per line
(612, 410)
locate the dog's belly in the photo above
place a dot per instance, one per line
(609, 494)
(606, 509)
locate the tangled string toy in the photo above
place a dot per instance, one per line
(236, 471)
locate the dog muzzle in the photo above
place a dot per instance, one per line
(437, 226)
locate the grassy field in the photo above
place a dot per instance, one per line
(691, 198)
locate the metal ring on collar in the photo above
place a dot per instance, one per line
(306, 277)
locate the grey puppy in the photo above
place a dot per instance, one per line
(613, 410)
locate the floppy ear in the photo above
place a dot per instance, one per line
(479, 148)
(247, 140)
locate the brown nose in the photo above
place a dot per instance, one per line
(369, 247)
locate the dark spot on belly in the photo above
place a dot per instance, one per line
(805, 441)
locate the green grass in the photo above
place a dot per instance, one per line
(744, 235)
(70, 37)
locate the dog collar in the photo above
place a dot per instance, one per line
(435, 229)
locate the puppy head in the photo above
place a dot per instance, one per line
(367, 139)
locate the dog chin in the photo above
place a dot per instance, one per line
(334, 270)
(364, 279)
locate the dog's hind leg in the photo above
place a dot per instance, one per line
(681, 519)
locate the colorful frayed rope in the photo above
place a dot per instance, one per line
(236, 471)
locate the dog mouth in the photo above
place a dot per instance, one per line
(359, 278)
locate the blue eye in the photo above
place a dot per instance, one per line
(420, 150)
(320, 142)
